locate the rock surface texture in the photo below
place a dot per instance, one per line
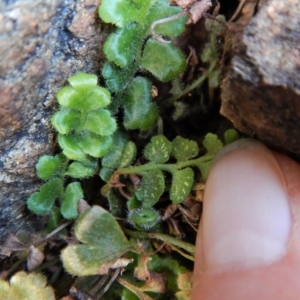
(261, 91)
(41, 43)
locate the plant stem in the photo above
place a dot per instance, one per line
(194, 85)
(173, 241)
(164, 167)
(163, 237)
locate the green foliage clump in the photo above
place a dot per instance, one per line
(24, 286)
(159, 151)
(53, 169)
(83, 123)
(90, 122)
(131, 49)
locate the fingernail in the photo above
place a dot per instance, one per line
(246, 216)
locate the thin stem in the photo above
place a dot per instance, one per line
(194, 85)
(112, 279)
(163, 237)
(51, 234)
(173, 241)
(164, 167)
(187, 256)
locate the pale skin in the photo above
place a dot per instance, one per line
(276, 278)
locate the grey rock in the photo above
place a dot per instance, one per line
(42, 42)
(261, 91)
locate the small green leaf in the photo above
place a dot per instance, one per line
(182, 182)
(82, 169)
(103, 241)
(41, 202)
(24, 286)
(50, 166)
(128, 155)
(121, 45)
(93, 144)
(54, 219)
(69, 207)
(230, 136)
(95, 98)
(139, 111)
(68, 97)
(151, 188)
(100, 122)
(116, 203)
(70, 147)
(184, 149)
(116, 78)
(121, 13)
(143, 218)
(164, 61)
(113, 158)
(82, 82)
(158, 150)
(212, 143)
(106, 173)
(65, 120)
(162, 9)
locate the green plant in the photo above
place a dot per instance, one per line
(131, 49)
(24, 286)
(158, 152)
(91, 123)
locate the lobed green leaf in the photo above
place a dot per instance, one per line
(70, 147)
(103, 241)
(116, 203)
(182, 182)
(65, 120)
(120, 47)
(82, 82)
(184, 149)
(83, 168)
(164, 61)
(158, 150)
(69, 207)
(100, 122)
(41, 202)
(49, 166)
(113, 158)
(121, 13)
(151, 188)
(92, 99)
(162, 9)
(139, 112)
(230, 136)
(128, 155)
(93, 144)
(23, 286)
(212, 143)
(116, 78)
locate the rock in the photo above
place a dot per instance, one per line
(261, 91)
(41, 44)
